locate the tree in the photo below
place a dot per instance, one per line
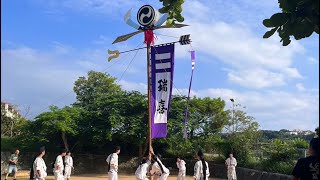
(11, 120)
(61, 121)
(299, 18)
(206, 116)
(244, 139)
(134, 120)
(96, 85)
(174, 9)
(98, 97)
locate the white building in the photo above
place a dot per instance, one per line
(300, 132)
(10, 110)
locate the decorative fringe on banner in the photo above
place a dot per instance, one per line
(186, 113)
(149, 37)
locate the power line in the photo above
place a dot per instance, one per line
(68, 93)
(128, 66)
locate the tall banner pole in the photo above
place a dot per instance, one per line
(149, 96)
(149, 19)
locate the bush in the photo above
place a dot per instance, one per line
(8, 143)
(278, 167)
(253, 163)
(219, 159)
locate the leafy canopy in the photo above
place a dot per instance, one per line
(299, 18)
(174, 9)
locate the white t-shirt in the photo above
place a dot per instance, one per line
(155, 169)
(198, 170)
(113, 162)
(40, 165)
(182, 165)
(231, 162)
(141, 172)
(68, 161)
(59, 164)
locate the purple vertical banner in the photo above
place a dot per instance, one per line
(186, 113)
(162, 66)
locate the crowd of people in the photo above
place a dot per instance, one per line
(305, 168)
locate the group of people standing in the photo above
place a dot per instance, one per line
(201, 168)
(62, 166)
(305, 169)
(152, 166)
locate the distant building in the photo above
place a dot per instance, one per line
(300, 132)
(293, 132)
(10, 110)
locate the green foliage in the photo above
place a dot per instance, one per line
(299, 18)
(10, 124)
(96, 85)
(243, 135)
(300, 143)
(59, 121)
(98, 97)
(174, 10)
(8, 143)
(206, 116)
(279, 150)
(268, 135)
(277, 166)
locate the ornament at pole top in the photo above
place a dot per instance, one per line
(147, 16)
(148, 20)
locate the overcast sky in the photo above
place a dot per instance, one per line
(47, 44)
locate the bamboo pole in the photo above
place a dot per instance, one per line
(149, 102)
(149, 96)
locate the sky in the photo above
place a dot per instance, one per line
(47, 44)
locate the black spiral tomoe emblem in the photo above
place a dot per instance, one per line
(146, 15)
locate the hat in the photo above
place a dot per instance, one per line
(42, 149)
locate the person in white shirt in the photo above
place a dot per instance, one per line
(181, 164)
(58, 166)
(141, 172)
(201, 168)
(231, 164)
(158, 170)
(68, 161)
(112, 161)
(39, 166)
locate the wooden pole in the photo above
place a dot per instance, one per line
(149, 96)
(149, 103)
